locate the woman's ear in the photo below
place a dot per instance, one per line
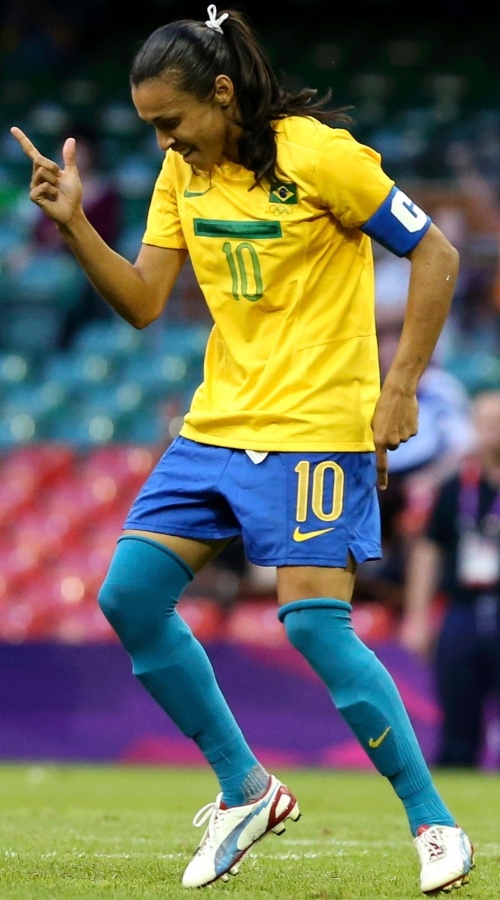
(224, 91)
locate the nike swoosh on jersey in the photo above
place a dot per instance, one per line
(196, 193)
(299, 535)
(376, 743)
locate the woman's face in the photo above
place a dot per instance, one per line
(201, 131)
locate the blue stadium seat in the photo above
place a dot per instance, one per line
(186, 339)
(14, 369)
(36, 399)
(35, 299)
(80, 426)
(160, 375)
(79, 370)
(89, 424)
(113, 338)
(17, 428)
(49, 278)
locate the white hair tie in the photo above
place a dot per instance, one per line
(213, 22)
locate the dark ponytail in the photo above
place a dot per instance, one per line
(194, 54)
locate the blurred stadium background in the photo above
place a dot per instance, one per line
(82, 420)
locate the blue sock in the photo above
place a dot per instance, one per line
(366, 696)
(138, 597)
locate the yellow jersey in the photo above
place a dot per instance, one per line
(291, 362)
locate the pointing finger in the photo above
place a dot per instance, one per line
(25, 143)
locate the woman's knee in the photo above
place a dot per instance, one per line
(119, 600)
(142, 586)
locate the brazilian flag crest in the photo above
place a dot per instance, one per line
(283, 192)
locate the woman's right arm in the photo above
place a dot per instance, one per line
(138, 291)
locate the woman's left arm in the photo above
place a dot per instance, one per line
(434, 272)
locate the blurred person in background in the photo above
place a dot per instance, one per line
(473, 350)
(103, 207)
(459, 556)
(287, 437)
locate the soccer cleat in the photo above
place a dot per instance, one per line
(446, 857)
(231, 832)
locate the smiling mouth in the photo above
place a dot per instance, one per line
(185, 151)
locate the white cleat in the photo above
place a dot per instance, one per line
(446, 857)
(231, 832)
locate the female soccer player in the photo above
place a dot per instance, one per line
(287, 436)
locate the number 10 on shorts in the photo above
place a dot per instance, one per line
(320, 485)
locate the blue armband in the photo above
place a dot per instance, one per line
(399, 224)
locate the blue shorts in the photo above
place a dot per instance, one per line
(292, 509)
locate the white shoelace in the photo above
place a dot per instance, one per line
(207, 815)
(433, 844)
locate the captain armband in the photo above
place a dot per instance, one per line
(399, 224)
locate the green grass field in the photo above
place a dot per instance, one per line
(70, 832)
